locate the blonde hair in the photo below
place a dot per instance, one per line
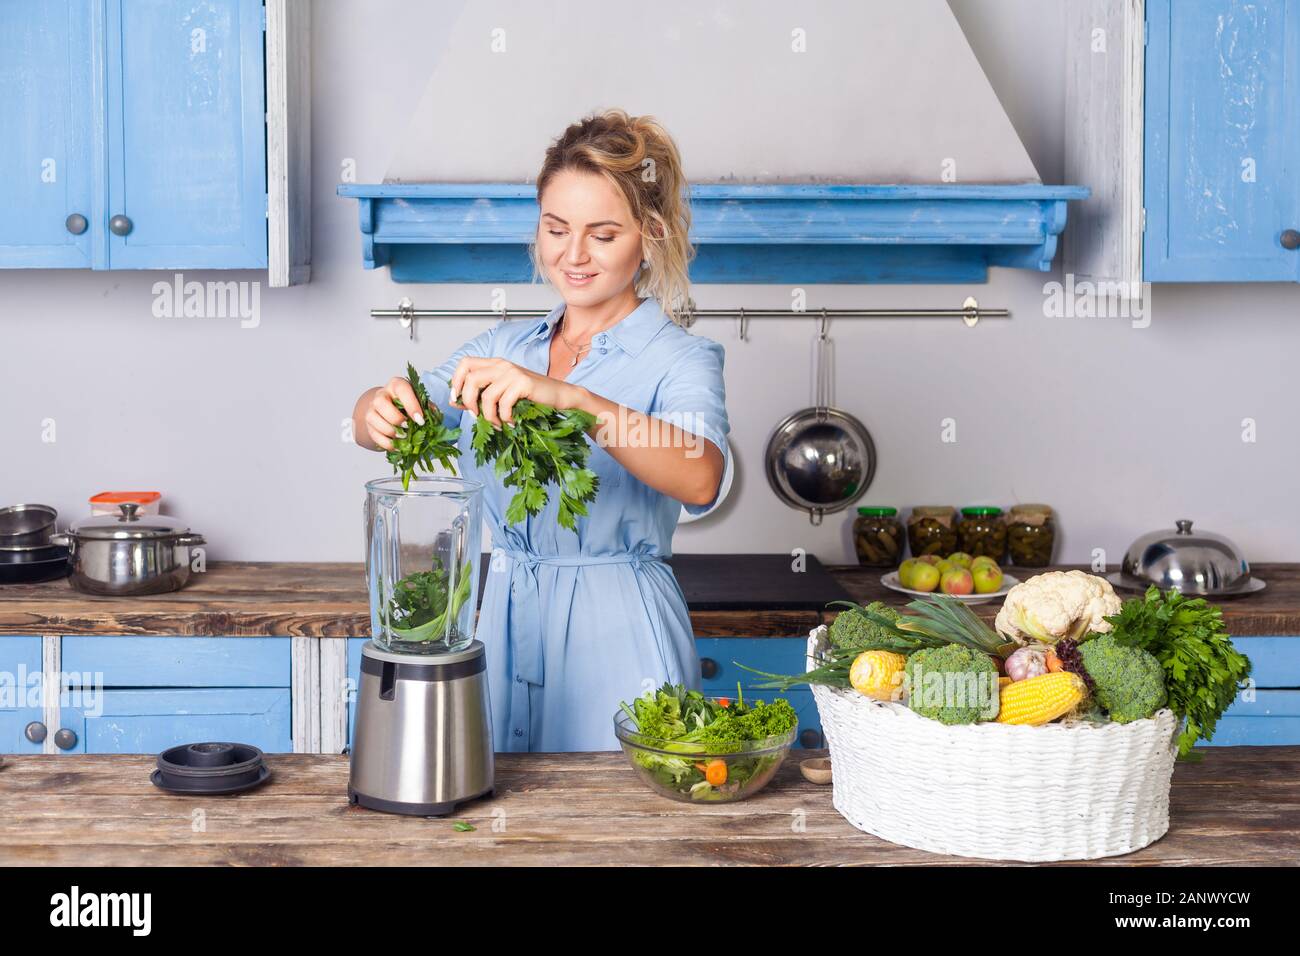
(640, 159)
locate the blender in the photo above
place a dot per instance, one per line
(422, 743)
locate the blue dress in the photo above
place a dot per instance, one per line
(574, 623)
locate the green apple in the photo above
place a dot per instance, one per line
(960, 558)
(925, 577)
(957, 581)
(944, 567)
(929, 558)
(987, 579)
(905, 572)
(984, 560)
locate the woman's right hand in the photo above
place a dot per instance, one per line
(377, 417)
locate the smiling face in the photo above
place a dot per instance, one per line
(587, 240)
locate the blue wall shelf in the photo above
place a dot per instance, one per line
(779, 233)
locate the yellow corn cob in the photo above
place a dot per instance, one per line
(878, 674)
(1003, 681)
(1038, 700)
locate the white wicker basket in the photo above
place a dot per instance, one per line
(1059, 792)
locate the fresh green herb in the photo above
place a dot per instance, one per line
(693, 728)
(419, 445)
(542, 446)
(463, 826)
(419, 609)
(1203, 671)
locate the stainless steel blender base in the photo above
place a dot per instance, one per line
(422, 742)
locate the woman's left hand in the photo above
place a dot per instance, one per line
(495, 385)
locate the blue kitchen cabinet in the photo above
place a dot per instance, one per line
(145, 694)
(151, 113)
(1222, 171)
(48, 148)
(1273, 717)
(20, 690)
(354, 680)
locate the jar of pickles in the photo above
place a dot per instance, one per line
(1031, 535)
(930, 530)
(982, 531)
(878, 537)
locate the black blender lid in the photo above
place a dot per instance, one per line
(210, 769)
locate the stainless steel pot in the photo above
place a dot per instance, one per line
(126, 554)
(1195, 562)
(26, 526)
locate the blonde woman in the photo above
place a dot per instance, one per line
(573, 623)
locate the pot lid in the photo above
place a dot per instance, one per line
(1195, 562)
(127, 523)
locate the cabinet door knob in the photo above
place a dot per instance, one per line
(708, 667)
(65, 739)
(119, 225)
(76, 223)
(1290, 239)
(35, 732)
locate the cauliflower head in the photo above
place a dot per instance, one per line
(1055, 605)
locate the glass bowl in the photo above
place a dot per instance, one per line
(693, 774)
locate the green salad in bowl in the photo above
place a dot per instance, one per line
(694, 748)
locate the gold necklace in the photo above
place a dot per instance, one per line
(577, 352)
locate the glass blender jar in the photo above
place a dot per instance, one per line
(423, 547)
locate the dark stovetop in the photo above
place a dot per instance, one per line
(745, 582)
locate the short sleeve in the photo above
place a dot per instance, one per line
(693, 397)
(438, 380)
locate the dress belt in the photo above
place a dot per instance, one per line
(525, 627)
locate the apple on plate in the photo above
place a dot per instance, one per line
(987, 579)
(925, 577)
(960, 558)
(929, 558)
(957, 581)
(905, 572)
(983, 559)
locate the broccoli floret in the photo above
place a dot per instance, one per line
(851, 630)
(952, 684)
(1128, 682)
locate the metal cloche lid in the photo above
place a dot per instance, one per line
(128, 524)
(1195, 562)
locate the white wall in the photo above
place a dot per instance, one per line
(1121, 429)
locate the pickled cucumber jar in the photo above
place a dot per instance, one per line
(982, 531)
(930, 530)
(1031, 535)
(878, 537)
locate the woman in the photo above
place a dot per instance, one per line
(574, 623)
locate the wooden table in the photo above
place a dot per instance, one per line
(1240, 806)
(296, 599)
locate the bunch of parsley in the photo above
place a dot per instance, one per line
(423, 603)
(419, 445)
(542, 446)
(1203, 671)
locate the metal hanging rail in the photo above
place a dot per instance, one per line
(970, 313)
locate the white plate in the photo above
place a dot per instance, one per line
(890, 580)
(723, 491)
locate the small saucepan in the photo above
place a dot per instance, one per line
(123, 553)
(26, 526)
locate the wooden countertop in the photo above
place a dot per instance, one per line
(329, 600)
(1240, 806)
